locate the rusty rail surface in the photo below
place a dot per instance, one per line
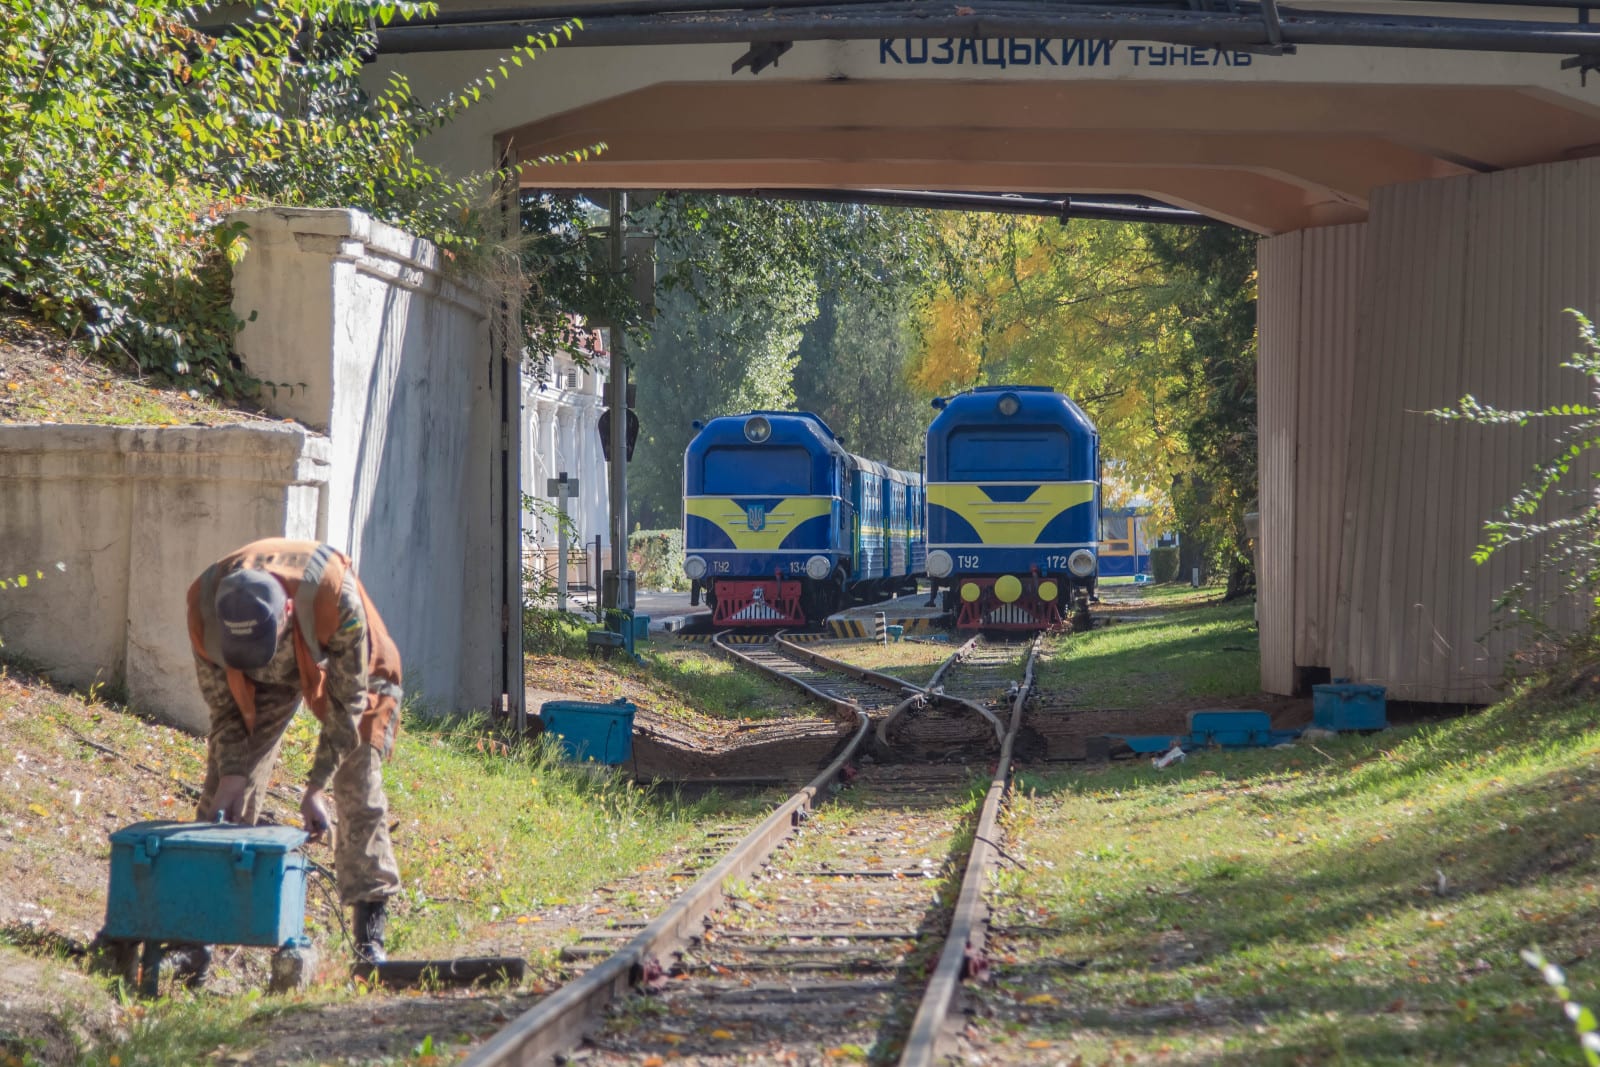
(557, 1024)
(964, 946)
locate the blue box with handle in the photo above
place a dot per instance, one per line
(602, 732)
(209, 883)
(1345, 705)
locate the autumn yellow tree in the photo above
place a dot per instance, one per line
(1076, 307)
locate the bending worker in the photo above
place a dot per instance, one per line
(271, 623)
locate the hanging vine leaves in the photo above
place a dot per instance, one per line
(130, 135)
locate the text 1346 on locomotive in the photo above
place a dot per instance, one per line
(781, 525)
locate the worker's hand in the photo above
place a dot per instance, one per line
(314, 813)
(229, 799)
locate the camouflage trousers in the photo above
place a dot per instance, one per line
(362, 853)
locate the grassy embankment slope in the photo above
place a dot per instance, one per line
(501, 851)
(1358, 899)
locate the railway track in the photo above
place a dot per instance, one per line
(840, 937)
(844, 687)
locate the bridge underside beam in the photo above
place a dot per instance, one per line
(1252, 26)
(1299, 156)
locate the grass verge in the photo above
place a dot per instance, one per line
(914, 661)
(1362, 900)
(680, 682)
(1203, 651)
(492, 842)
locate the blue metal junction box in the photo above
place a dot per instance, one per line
(602, 732)
(209, 883)
(1349, 706)
(1230, 729)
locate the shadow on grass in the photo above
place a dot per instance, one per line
(1381, 1024)
(715, 687)
(1208, 651)
(1422, 967)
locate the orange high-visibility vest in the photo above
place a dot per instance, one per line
(312, 574)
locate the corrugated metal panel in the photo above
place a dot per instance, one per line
(1278, 330)
(1330, 286)
(1462, 294)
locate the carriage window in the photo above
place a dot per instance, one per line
(748, 471)
(1018, 455)
(1115, 527)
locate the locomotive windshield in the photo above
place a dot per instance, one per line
(1014, 455)
(763, 471)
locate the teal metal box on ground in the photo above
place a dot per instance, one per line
(1349, 706)
(212, 883)
(602, 732)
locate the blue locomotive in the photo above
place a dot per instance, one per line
(781, 525)
(1013, 492)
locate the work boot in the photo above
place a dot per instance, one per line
(372, 919)
(191, 964)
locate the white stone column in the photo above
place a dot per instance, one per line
(546, 430)
(593, 465)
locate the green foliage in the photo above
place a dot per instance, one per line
(1211, 290)
(1164, 563)
(129, 135)
(656, 556)
(546, 629)
(1150, 328)
(740, 280)
(1556, 509)
(1583, 1020)
(854, 359)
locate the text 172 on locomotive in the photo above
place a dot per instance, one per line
(1013, 493)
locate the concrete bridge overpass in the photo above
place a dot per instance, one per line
(1427, 212)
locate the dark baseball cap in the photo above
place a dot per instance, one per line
(250, 609)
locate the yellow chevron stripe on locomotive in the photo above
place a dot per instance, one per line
(1010, 522)
(780, 520)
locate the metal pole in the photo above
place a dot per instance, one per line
(1006, 18)
(561, 543)
(617, 388)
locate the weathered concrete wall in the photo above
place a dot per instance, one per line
(364, 338)
(120, 520)
(1454, 286)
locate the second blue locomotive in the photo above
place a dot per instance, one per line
(1013, 491)
(782, 525)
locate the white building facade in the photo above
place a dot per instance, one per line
(561, 405)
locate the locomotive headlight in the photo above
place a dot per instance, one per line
(818, 568)
(1009, 404)
(695, 568)
(1081, 563)
(940, 564)
(757, 429)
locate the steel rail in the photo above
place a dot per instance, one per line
(889, 681)
(840, 706)
(558, 1023)
(930, 694)
(968, 927)
(1244, 28)
(957, 656)
(862, 674)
